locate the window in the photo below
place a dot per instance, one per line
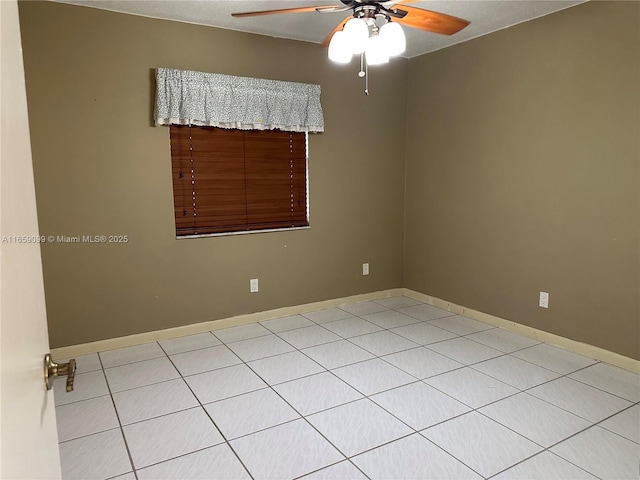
(227, 180)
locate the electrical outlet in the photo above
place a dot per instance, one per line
(544, 300)
(365, 269)
(253, 285)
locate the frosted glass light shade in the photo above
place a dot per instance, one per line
(339, 48)
(376, 53)
(393, 38)
(357, 33)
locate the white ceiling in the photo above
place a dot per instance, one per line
(486, 16)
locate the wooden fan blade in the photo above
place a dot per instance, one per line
(282, 10)
(395, 3)
(430, 21)
(338, 27)
(333, 9)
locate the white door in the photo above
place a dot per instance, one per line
(28, 436)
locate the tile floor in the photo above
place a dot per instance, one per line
(392, 389)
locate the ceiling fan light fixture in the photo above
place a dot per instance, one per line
(339, 48)
(360, 34)
(357, 33)
(392, 35)
(376, 52)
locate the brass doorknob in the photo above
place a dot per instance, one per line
(53, 370)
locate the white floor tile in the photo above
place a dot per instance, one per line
(515, 372)
(328, 315)
(224, 383)
(189, 343)
(140, 374)
(390, 319)
(100, 456)
(260, 347)
(85, 418)
(535, 419)
(461, 325)
(554, 358)
(308, 336)
(464, 351)
(419, 405)
(407, 459)
(488, 447)
(153, 401)
(122, 356)
(425, 312)
(215, 463)
(398, 302)
(85, 386)
(315, 393)
(424, 333)
(285, 367)
(363, 308)
(422, 362)
(617, 381)
(242, 332)
(602, 453)
(286, 323)
(544, 466)
(286, 451)
(625, 423)
(340, 471)
(170, 436)
(383, 343)
(204, 359)
(351, 327)
(250, 413)
(502, 340)
(358, 426)
(392, 345)
(471, 387)
(580, 399)
(373, 376)
(337, 354)
(126, 476)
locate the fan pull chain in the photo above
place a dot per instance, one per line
(366, 78)
(364, 72)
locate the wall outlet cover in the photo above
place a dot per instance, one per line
(544, 300)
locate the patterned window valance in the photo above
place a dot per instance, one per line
(185, 97)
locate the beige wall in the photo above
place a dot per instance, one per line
(102, 168)
(522, 174)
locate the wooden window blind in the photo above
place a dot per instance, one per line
(227, 180)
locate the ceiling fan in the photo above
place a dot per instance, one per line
(361, 32)
(398, 10)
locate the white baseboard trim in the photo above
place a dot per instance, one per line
(183, 331)
(585, 349)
